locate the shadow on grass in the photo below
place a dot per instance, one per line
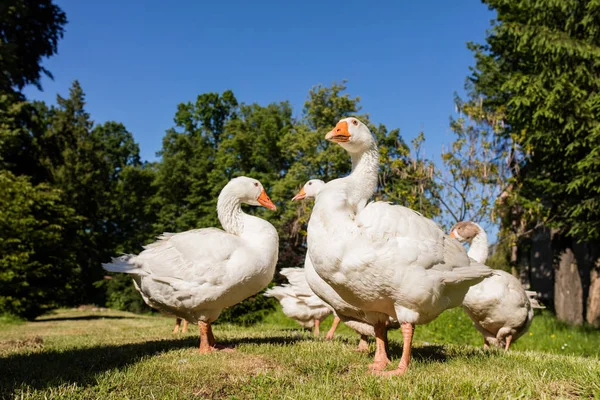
(54, 368)
(424, 353)
(262, 340)
(435, 353)
(298, 330)
(85, 318)
(431, 353)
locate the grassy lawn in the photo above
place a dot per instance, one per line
(117, 355)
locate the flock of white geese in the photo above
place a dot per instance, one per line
(374, 265)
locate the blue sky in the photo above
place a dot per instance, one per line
(136, 60)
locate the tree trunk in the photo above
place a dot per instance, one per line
(514, 251)
(593, 303)
(568, 291)
(591, 257)
(585, 259)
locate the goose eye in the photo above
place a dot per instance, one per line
(309, 183)
(355, 122)
(256, 184)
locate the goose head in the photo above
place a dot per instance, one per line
(353, 135)
(249, 191)
(465, 231)
(310, 189)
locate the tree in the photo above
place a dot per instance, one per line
(123, 212)
(75, 165)
(188, 154)
(90, 178)
(100, 172)
(29, 31)
(540, 64)
(134, 218)
(474, 172)
(38, 269)
(405, 178)
(14, 141)
(252, 145)
(539, 67)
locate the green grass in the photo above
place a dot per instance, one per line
(117, 355)
(10, 319)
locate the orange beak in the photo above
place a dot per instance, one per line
(452, 235)
(339, 134)
(301, 194)
(265, 201)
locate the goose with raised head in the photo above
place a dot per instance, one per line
(196, 274)
(350, 315)
(500, 308)
(384, 259)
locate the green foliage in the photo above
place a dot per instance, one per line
(38, 270)
(474, 171)
(7, 318)
(186, 199)
(539, 67)
(21, 125)
(29, 32)
(251, 144)
(405, 178)
(12, 141)
(83, 188)
(99, 170)
(500, 256)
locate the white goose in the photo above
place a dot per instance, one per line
(350, 315)
(500, 308)
(298, 301)
(384, 259)
(196, 274)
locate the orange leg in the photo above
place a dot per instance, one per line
(407, 333)
(206, 337)
(363, 345)
(485, 344)
(334, 325)
(185, 326)
(381, 359)
(177, 323)
(316, 328)
(508, 340)
(211, 337)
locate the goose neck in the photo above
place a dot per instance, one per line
(229, 211)
(479, 247)
(365, 172)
